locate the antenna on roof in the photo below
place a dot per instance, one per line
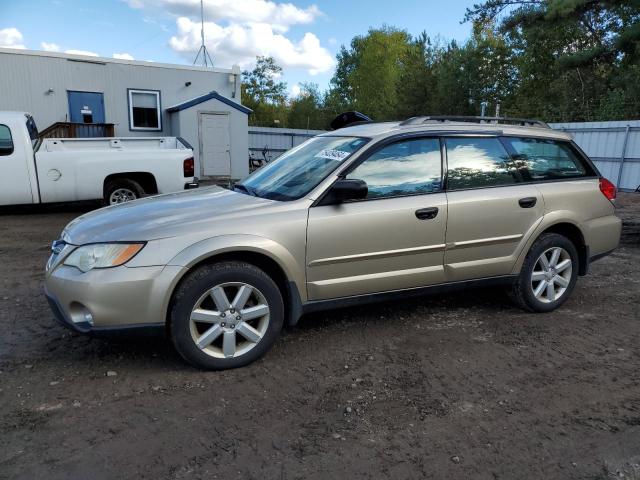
(206, 58)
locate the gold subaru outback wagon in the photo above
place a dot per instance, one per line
(367, 212)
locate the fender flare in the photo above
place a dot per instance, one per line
(548, 221)
(210, 247)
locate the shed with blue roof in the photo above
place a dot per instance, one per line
(216, 126)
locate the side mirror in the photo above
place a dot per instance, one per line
(344, 190)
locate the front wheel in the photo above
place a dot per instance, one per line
(549, 274)
(226, 315)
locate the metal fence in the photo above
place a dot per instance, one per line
(266, 144)
(613, 146)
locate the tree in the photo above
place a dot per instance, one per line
(368, 73)
(264, 93)
(306, 110)
(571, 55)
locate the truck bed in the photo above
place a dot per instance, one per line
(116, 143)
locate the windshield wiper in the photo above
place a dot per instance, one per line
(239, 186)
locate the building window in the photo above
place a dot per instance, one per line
(144, 110)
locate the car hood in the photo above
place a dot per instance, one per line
(161, 216)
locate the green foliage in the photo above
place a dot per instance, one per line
(558, 60)
(264, 93)
(306, 110)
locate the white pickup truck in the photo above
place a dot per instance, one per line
(116, 170)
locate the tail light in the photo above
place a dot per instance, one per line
(608, 189)
(188, 167)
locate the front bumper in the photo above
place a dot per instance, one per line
(107, 300)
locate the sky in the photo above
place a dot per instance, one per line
(303, 36)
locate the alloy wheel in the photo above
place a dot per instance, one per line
(225, 328)
(551, 275)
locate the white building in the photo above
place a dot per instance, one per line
(201, 105)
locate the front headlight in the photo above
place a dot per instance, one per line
(102, 255)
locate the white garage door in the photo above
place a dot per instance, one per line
(215, 144)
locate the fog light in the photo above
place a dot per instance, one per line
(80, 314)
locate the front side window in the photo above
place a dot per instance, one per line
(6, 142)
(144, 110)
(538, 159)
(301, 169)
(478, 163)
(408, 167)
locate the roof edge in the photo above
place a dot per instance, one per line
(138, 63)
(209, 96)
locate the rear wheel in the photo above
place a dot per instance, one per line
(226, 315)
(548, 275)
(121, 191)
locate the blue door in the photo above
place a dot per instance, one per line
(86, 107)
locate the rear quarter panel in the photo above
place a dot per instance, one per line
(581, 203)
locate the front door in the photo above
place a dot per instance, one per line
(393, 239)
(86, 107)
(15, 183)
(215, 144)
(491, 213)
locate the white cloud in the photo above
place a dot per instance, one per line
(11, 38)
(123, 56)
(240, 44)
(237, 31)
(50, 47)
(295, 91)
(279, 15)
(82, 52)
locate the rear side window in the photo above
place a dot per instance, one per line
(407, 167)
(539, 159)
(478, 163)
(6, 142)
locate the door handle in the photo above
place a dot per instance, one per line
(427, 213)
(528, 202)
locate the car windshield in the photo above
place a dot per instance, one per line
(301, 169)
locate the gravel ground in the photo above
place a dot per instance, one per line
(455, 386)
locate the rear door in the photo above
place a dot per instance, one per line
(491, 211)
(393, 239)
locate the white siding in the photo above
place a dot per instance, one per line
(26, 77)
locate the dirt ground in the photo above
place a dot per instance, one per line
(456, 386)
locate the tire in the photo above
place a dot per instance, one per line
(199, 314)
(525, 290)
(130, 188)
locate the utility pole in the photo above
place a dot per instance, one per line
(206, 58)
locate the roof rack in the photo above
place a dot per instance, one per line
(524, 122)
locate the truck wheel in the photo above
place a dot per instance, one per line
(226, 315)
(122, 190)
(549, 274)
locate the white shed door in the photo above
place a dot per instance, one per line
(215, 152)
